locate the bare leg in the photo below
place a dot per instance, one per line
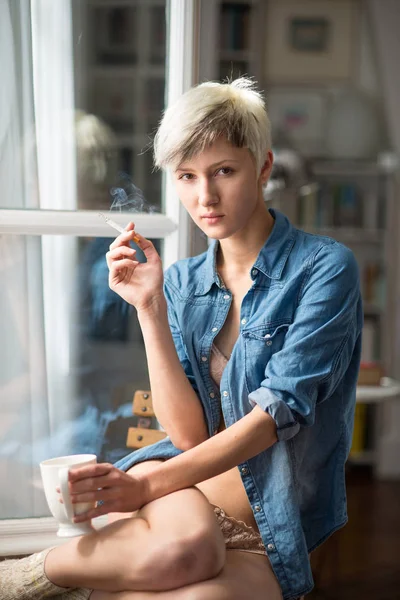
(171, 542)
(243, 576)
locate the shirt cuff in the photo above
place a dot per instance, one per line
(286, 424)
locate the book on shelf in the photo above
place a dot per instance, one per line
(373, 283)
(365, 414)
(347, 205)
(332, 205)
(358, 443)
(370, 340)
(235, 26)
(364, 432)
(371, 209)
(370, 373)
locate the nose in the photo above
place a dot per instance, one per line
(207, 192)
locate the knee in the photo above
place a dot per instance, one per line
(201, 556)
(178, 562)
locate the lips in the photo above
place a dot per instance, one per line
(212, 219)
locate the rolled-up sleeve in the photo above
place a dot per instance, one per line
(319, 344)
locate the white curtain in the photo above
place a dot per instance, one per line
(53, 90)
(36, 171)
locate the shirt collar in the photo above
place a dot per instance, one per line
(270, 261)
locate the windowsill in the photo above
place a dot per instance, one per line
(25, 536)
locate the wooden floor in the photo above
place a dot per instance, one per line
(362, 561)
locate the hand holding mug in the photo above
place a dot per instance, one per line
(55, 474)
(105, 489)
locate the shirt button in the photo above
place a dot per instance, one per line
(271, 547)
(269, 343)
(212, 395)
(244, 470)
(225, 393)
(227, 297)
(257, 508)
(204, 358)
(254, 272)
(244, 321)
(214, 329)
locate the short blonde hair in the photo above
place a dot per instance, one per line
(234, 110)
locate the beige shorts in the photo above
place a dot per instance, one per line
(238, 535)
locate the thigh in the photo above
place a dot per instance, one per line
(189, 503)
(244, 576)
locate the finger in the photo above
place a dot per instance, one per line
(92, 484)
(104, 495)
(147, 247)
(121, 265)
(125, 237)
(92, 470)
(119, 252)
(103, 509)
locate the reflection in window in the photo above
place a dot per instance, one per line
(121, 77)
(75, 118)
(100, 359)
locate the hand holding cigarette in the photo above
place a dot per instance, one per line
(139, 283)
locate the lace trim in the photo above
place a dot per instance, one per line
(238, 535)
(218, 363)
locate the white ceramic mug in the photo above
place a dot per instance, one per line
(55, 475)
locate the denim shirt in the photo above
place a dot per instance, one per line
(297, 357)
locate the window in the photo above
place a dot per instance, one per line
(84, 88)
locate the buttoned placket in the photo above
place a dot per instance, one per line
(224, 306)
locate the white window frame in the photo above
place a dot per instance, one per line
(23, 536)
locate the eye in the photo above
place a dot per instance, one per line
(225, 171)
(186, 176)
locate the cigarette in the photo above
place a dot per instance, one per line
(115, 225)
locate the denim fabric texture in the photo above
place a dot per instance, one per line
(297, 356)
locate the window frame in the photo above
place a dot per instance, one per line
(23, 536)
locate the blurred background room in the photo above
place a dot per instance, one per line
(83, 84)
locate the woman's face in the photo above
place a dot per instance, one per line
(221, 190)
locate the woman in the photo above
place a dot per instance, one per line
(253, 351)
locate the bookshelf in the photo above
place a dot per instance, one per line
(120, 57)
(352, 203)
(230, 34)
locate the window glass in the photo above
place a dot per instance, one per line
(82, 93)
(73, 359)
(85, 86)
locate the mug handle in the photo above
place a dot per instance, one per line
(63, 479)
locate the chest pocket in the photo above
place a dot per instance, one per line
(260, 344)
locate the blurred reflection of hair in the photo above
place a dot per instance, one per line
(96, 161)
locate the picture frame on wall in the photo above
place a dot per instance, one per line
(298, 116)
(310, 40)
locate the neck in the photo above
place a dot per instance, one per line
(238, 253)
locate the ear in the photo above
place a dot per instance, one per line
(267, 167)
